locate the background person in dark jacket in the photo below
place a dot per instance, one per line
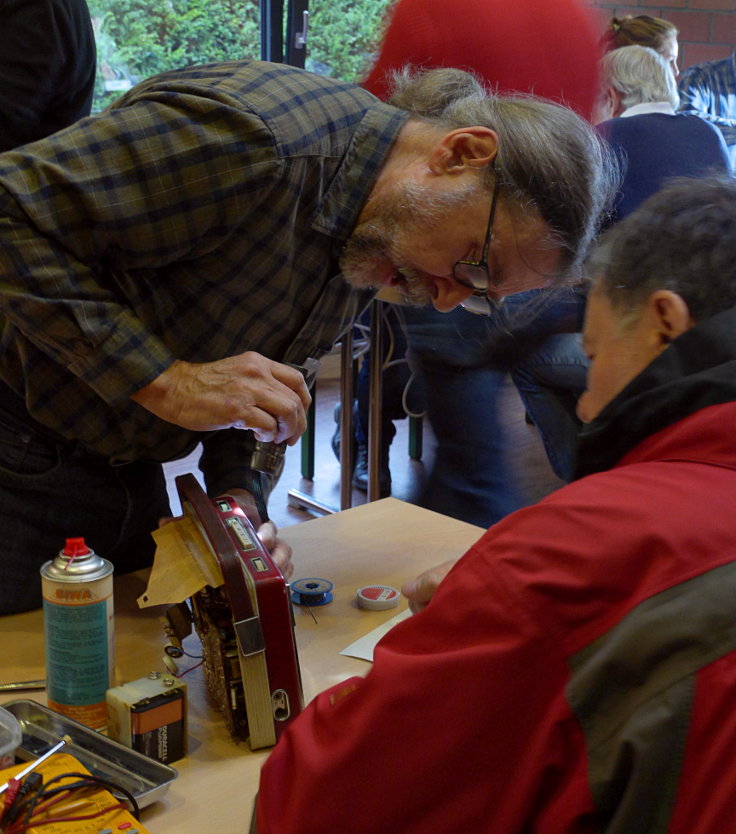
(47, 68)
(653, 142)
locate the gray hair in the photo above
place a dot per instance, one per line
(640, 74)
(548, 158)
(680, 239)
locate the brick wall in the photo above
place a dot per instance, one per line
(707, 27)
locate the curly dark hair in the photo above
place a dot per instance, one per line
(683, 238)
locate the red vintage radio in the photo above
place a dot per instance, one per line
(246, 625)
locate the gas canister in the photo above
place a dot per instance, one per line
(78, 632)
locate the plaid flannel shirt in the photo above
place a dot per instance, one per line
(709, 90)
(200, 216)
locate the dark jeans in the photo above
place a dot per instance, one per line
(50, 490)
(550, 382)
(462, 361)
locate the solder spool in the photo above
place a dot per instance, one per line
(311, 591)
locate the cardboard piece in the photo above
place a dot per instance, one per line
(183, 564)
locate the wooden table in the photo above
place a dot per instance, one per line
(385, 542)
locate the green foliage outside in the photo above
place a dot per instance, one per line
(343, 36)
(137, 38)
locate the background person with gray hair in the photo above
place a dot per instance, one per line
(638, 100)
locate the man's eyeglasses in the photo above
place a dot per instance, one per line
(475, 275)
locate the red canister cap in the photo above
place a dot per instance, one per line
(75, 547)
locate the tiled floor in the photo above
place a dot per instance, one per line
(528, 460)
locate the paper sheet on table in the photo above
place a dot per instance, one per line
(363, 647)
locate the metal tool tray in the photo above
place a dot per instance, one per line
(147, 779)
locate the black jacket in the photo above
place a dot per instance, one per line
(47, 68)
(697, 370)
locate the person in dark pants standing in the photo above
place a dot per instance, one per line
(540, 47)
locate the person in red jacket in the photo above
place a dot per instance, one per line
(575, 670)
(548, 49)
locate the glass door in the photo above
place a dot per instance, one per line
(137, 38)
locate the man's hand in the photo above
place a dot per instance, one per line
(247, 391)
(268, 534)
(420, 591)
(280, 551)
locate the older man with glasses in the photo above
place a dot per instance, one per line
(550, 49)
(461, 364)
(475, 274)
(168, 266)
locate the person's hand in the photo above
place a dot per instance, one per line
(420, 591)
(247, 391)
(268, 533)
(280, 551)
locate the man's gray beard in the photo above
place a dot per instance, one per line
(413, 289)
(413, 207)
(362, 248)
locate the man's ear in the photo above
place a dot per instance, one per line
(463, 148)
(670, 315)
(605, 106)
(617, 101)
